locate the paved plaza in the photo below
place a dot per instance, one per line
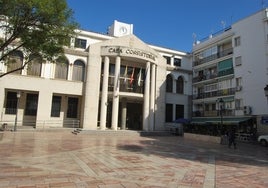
(126, 159)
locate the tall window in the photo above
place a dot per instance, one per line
(169, 83)
(177, 62)
(179, 85)
(80, 43)
(237, 41)
(238, 61)
(31, 104)
(169, 112)
(179, 111)
(72, 107)
(34, 68)
(168, 59)
(78, 71)
(11, 102)
(61, 70)
(15, 61)
(56, 106)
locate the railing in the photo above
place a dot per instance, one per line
(212, 76)
(223, 92)
(213, 57)
(42, 124)
(213, 113)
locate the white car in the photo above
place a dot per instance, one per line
(263, 140)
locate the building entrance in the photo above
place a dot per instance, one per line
(134, 116)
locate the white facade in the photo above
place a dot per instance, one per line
(113, 81)
(233, 66)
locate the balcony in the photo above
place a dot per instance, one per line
(212, 76)
(223, 92)
(218, 55)
(213, 113)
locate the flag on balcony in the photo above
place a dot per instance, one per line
(132, 76)
(139, 78)
(125, 75)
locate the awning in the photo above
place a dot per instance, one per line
(217, 120)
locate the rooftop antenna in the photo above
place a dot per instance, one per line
(223, 24)
(194, 37)
(262, 3)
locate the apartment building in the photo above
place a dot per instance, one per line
(230, 71)
(110, 81)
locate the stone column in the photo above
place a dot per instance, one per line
(116, 93)
(152, 99)
(124, 114)
(104, 94)
(146, 100)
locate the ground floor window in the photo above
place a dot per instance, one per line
(179, 111)
(169, 112)
(56, 106)
(11, 103)
(72, 107)
(31, 104)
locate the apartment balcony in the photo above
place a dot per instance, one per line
(218, 93)
(213, 113)
(201, 78)
(218, 55)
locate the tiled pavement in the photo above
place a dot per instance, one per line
(125, 159)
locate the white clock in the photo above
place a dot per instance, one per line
(123, 30)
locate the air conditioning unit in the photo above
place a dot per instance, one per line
(247, 110)
(238, 88)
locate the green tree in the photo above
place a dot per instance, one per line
(36, 27)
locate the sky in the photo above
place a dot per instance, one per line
(165, 23)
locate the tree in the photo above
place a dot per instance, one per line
(38, 28)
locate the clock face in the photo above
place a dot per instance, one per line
(123, 30)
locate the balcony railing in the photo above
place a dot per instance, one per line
(213, 57)
(212, 76)
(223, 92)
(213, 113)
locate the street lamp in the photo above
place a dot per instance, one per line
(16, 117)
(221, 108)
(266, 90)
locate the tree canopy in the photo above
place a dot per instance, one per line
(37, 27)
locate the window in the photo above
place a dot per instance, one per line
(34, 68)
(80, 43)
(169, 112)
(168, 59)
(237, 41)
(56, 106)
(11, 103)
(179, 85)
(238, 61)
(61, 70)
(179, 111)
(78, 71)
(31, 104)
(169, 83)
(15, 62)
(72, 107)
(177, 62)
(238, 104)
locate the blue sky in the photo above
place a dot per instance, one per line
(165, 23)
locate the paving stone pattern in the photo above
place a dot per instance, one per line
(50, 159)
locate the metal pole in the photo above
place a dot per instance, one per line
(16, 117)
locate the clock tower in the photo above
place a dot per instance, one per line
(119, 29)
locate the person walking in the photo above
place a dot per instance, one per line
(231, 136)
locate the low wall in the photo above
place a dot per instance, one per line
(206, 138)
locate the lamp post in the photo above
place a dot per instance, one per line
(16, 117)
(221, 108)
(266, 90)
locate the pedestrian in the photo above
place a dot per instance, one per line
(231, 136)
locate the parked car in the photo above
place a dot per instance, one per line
(263, 140)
